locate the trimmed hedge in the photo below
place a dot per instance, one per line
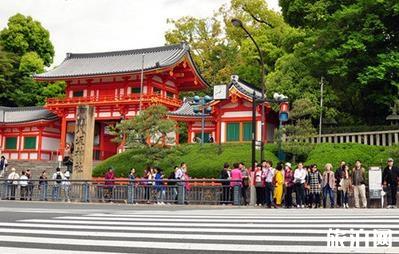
(204, 162)
(368, 155)
(207, 162)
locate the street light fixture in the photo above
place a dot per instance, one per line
(238, 23)
(200, 106)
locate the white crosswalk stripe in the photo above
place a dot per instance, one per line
(207, 231)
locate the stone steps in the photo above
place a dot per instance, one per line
(36, 167)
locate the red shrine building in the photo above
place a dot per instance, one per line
(118, 84)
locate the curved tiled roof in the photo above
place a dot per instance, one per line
(245, 87)
(86, 64)
(187, 109)
(9, 115)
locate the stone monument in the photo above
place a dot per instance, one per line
(394, 117)
(83, 144)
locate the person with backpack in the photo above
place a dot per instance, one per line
(57, 177)
(12, 184)
(314, 185)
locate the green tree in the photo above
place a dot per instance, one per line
(23, 35)
(353, 44)
(25, 50)
(146, 129)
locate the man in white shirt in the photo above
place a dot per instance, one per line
(268, 175)
(12, 184)
(299, 181)
(23, 183)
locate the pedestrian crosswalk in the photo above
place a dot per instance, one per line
(192, 230)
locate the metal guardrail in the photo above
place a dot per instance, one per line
(203, 191)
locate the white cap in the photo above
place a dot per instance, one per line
(288, 164)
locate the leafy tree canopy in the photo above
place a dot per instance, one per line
(352, 44)
(25, 49)
(146, 129)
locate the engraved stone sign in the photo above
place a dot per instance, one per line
(83, 143)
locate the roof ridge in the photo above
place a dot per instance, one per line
(128, 52)
(23, 108)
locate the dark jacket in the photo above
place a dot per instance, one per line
(339, 173)
(224, 175)
(390, 176)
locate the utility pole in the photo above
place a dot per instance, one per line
(321, 106)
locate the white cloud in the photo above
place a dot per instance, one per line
(104, 25)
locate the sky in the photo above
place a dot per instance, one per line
(80, 26)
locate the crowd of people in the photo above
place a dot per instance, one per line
(275, 187)
(154, 184)
(24, 183)
(261, 185)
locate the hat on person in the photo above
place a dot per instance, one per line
(288, 165)
(13, 170)
(390, 159)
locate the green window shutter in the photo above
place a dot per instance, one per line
(78, 93)
(247, 133)
(136, 90)
(233, 132)
(30, 143)
(11, 143)
(206, 136)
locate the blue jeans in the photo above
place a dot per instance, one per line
(43, 192)
(56, 193)
(327, 190)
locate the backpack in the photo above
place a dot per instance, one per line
(59, 178)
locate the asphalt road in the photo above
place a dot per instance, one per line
(36, 227)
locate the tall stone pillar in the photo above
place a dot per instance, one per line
(83, 143)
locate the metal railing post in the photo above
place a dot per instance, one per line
(237, 195)
(180, 193)
(3, 190)
(85, 192)
(130, 192)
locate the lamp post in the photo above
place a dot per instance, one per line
(238, 23)
(283, 117)
(321, 106)
(201, 107)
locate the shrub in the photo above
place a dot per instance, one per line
(202, 162)
(334, 153)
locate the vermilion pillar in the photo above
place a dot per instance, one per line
(63, 134)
